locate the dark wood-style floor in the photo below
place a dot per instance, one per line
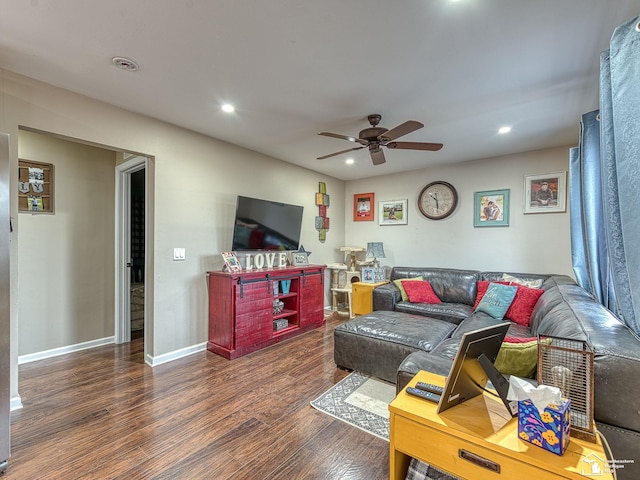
(103, 413)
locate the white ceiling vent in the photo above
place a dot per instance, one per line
(124, 63)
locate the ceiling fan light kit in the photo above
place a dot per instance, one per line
(375, 137)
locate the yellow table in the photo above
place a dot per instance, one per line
(362, 296)
(477, 439)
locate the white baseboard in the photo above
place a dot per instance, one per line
(149, 360)
(176, 354)
(16, 403)
(32, 357)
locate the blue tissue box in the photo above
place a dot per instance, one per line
(549, 430)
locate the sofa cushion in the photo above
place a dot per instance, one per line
(420, 292)
(416, 331)
(377, 343)
(558, 313)
(547, 301)
(497, 300)
(385, 297)
(450, 312)
(450, 285)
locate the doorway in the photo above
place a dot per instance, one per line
(137, 227)
(131, 233)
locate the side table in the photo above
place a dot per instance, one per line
(362, 297)
(478, 439)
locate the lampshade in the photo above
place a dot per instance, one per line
(375, 250)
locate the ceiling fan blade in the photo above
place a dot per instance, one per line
(344, 137)
(339, 153)
(377, 156)
(434, 147)
(402, 129)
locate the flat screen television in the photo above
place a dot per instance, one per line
(266, 225)
(473, 368)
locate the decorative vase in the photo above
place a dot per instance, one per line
(285, 285)
(278, 306)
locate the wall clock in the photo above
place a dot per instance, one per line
(438, 200)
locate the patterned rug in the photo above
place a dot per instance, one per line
(361, 401)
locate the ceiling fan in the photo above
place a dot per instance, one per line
(376, 137)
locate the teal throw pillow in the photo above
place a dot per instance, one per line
(497, 300)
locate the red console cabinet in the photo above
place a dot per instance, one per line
(242, 318)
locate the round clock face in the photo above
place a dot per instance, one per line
(437, 200)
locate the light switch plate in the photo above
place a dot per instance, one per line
(179, 254)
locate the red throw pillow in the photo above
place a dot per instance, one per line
(482, 289)
(523, 304)
(420, 292)
(510, 339)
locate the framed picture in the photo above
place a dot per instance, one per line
(368, 274)
(299, 259)
(231, 262)
(545, 193)
(491, 209)
(363, 207)
(379, 274)
(392, 212)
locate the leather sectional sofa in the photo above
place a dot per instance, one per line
(399, 338)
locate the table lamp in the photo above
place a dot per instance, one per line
(375, 250)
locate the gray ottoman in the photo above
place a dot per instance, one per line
(377, 343)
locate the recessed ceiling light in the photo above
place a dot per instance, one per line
(503, 130)
(349, 161)
(124, 63)
(227, 107)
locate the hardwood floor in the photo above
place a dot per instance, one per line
(103, 413)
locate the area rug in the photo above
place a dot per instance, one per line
(361, 401)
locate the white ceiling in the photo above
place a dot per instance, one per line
(296, 67)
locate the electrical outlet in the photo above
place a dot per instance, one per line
(179, 254)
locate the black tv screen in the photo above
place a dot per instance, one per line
(266, 225)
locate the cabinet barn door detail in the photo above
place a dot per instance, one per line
(253, 314)
(312, 301)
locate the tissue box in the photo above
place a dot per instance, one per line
(549, 430)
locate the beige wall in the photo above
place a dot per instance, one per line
(195, 180)
(531, 243)
(65, 266)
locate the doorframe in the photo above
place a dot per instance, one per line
(123, 245)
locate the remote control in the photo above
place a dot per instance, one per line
(432, 397)
(430, 387)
